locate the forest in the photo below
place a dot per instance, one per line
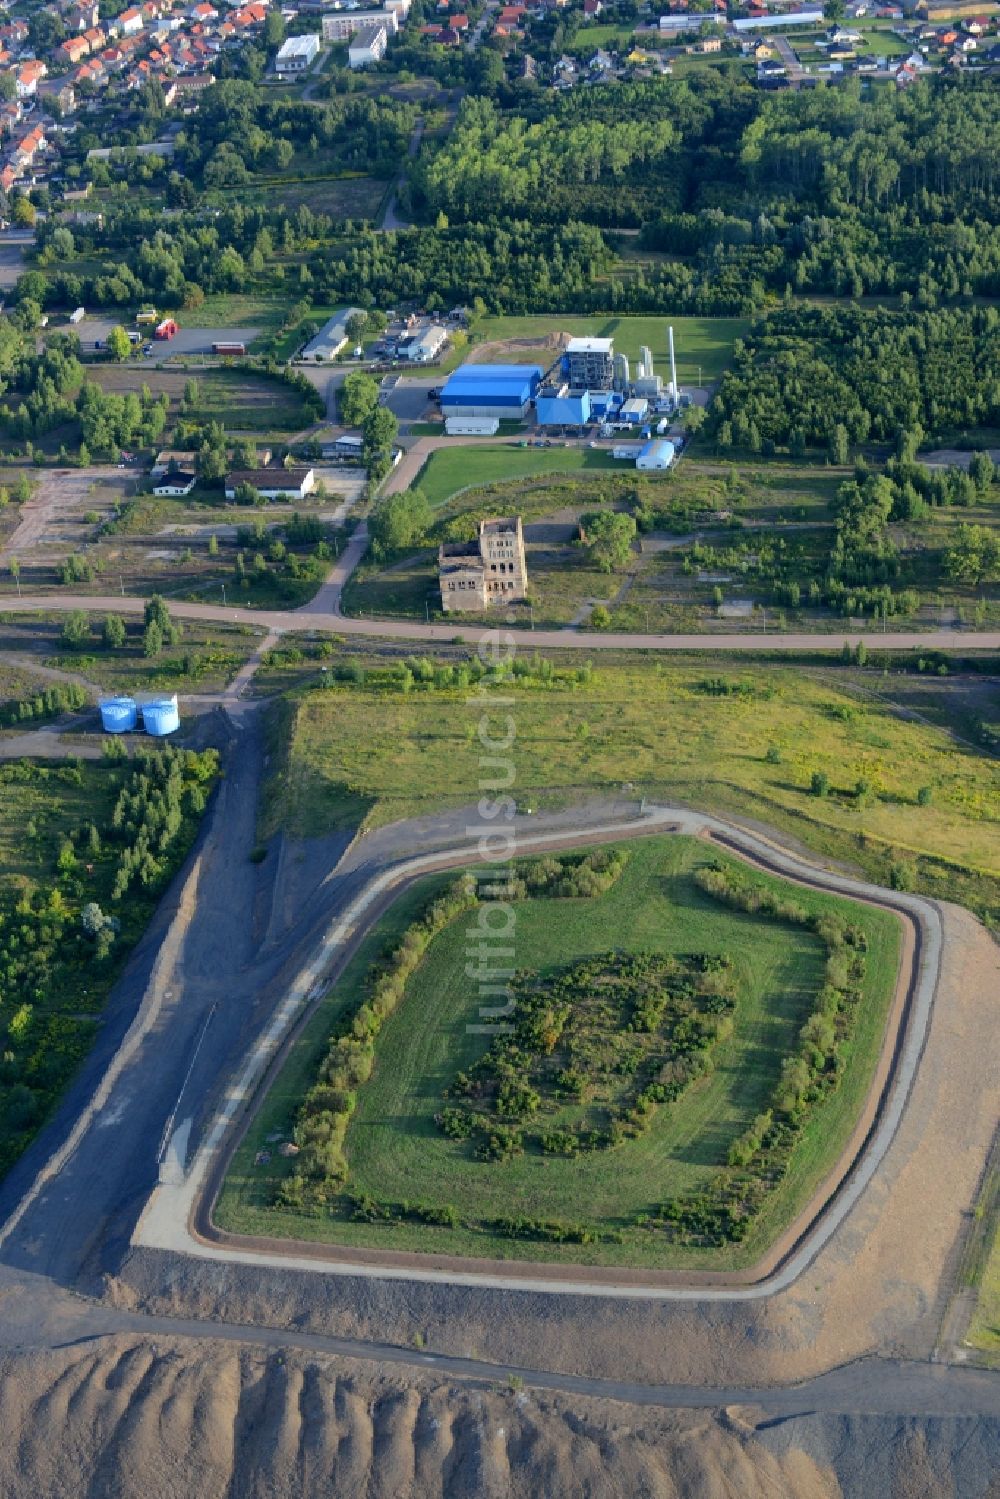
(837, 377)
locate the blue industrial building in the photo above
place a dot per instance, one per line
(502, 390)
(558, 406)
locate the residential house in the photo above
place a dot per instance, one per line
(592, 9)
(29, 75)
(129, 23)
(73, 50)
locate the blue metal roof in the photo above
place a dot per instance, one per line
(493, 379)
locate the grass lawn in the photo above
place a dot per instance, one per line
(396, 1151)
(448, 470)
(241, 400)
(654, 724)
(984, 1329)
(698, 341)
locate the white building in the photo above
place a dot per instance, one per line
(332, 337)
(177, 484)
(273, 483)
(472, 426)
(425, 346)
(343, 24)
(657, 454)
(295, 55)
(367, 46)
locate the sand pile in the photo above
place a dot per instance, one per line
(125, 1418)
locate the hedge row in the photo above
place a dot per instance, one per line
(326, 1109)
(65, 698)
(759, 1158)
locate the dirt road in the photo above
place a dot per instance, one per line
(310, 617)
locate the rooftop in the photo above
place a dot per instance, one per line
(590, 346)
(494, 374)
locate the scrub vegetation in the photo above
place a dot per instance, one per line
(897, 796)
(86, 850)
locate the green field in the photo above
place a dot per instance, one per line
(669, 731)
(448, 470)
(698, 342)
(396, 1151)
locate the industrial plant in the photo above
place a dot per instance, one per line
(589, 386)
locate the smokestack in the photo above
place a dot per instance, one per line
(673, 365)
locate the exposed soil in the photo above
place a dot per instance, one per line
(136, 1419)
(547, 348)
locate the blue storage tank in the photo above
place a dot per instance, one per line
(119, 715)
(161, 717)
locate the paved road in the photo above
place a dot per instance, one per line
(311, 617)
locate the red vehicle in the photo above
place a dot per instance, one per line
(166, 329)
(229, 348)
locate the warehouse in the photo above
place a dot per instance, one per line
(502, 390)
(656, 454)
(272, 483)
(332, 337)
(558, 406)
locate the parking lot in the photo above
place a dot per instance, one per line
(408, 400)
(186, 341)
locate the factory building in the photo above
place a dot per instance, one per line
(589, 363)
(477, 575)
(559, 406)
(635, 410)
(501, 390)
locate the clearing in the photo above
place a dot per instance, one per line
(747, 740)
(702, 345)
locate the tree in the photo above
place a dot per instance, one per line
(834, 10)
(152, 640)
(113, 632)
(819, 783)
(274, 30)
(23, 213)
(609, 537)
(92, 918)
(840, 446)
(119, 346)
(357, 326)
(981, 471)
(76, 630)
(974, 556)
(156, 613)
(399, 520)
(357, 398)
